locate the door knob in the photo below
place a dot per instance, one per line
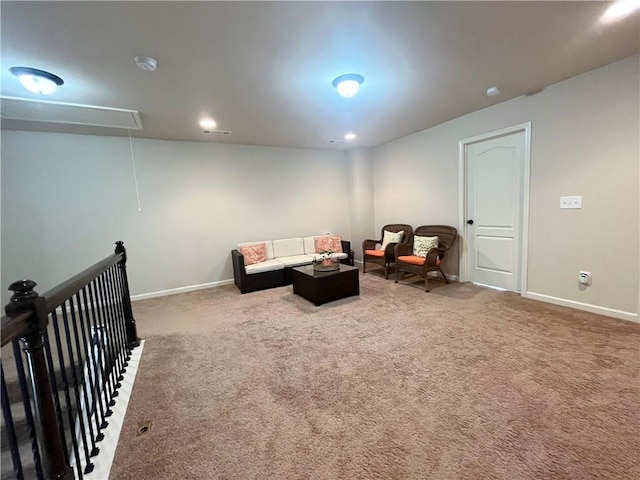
(470, 222)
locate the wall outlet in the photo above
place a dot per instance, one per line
(584, 278)
(571, 202)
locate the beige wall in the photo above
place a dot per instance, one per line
(76, 193)
(585, 141)
(67, 198)
(361, 197)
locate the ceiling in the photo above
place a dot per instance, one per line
(263, 70)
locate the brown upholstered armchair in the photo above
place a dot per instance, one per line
(384, 257)
(406, 261)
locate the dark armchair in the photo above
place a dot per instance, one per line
(384, 257)
(406, 261)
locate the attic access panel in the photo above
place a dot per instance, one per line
(12, 108)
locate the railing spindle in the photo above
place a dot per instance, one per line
(101, 332)
(11, 433)
(110, 346)
(96, 342)
(26, 403)
(112, 327)
(118, 321)
(82, 387)
(90, 356)
(117, 273)
(132, 333)
(55, 391)
(65, 385)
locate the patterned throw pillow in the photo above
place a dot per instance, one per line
(422, 245)
(391, 237)
(327, 242)
(255, 253)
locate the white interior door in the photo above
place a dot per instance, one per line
(494, 210)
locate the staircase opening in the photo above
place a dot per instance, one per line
(64, 354)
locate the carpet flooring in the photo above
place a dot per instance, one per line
(460, 383)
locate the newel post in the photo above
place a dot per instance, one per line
(25, 299)
(132, 332)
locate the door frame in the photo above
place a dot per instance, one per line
(462, 198)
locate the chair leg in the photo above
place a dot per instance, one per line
(426, 282)
(397, 274)
(364, 265)
(443, 275)
(386, 271)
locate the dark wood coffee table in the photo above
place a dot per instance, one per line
(323, 287)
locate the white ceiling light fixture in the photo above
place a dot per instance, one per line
(350, 136)
(146, 64)
(37, 81)
(493, 91)
(348, 84)
(620, 10)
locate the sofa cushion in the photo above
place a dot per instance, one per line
(266, 266)
(254, 253)
(268, 245)
(328, 242)
(288, 247)
(295, 260)
(309, 245)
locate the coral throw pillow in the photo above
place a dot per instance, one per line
(254, 253)
(422, 245)
(328, 242)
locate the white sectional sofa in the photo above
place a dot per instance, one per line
(281, 256)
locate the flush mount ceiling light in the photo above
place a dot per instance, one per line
(620, 10)
(350, 136)
(37, 81)
(348, 84)
(146, 64)
(493, 91)
(208, 124)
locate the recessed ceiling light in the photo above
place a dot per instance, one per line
(350, 136)
(37, 81)
(620, 9)
(208, 123)
(348, 84)
(493, 91)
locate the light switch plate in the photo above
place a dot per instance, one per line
(571, 202)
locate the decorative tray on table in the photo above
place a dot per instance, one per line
(326, 266)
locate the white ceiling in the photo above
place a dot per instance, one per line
(264, 69)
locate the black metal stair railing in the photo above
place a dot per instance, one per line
(64, 354)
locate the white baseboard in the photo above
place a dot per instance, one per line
(221, 283)
(173, 291)
(609, 312)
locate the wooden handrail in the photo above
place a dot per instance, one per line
(13, 327)
(59, 294)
